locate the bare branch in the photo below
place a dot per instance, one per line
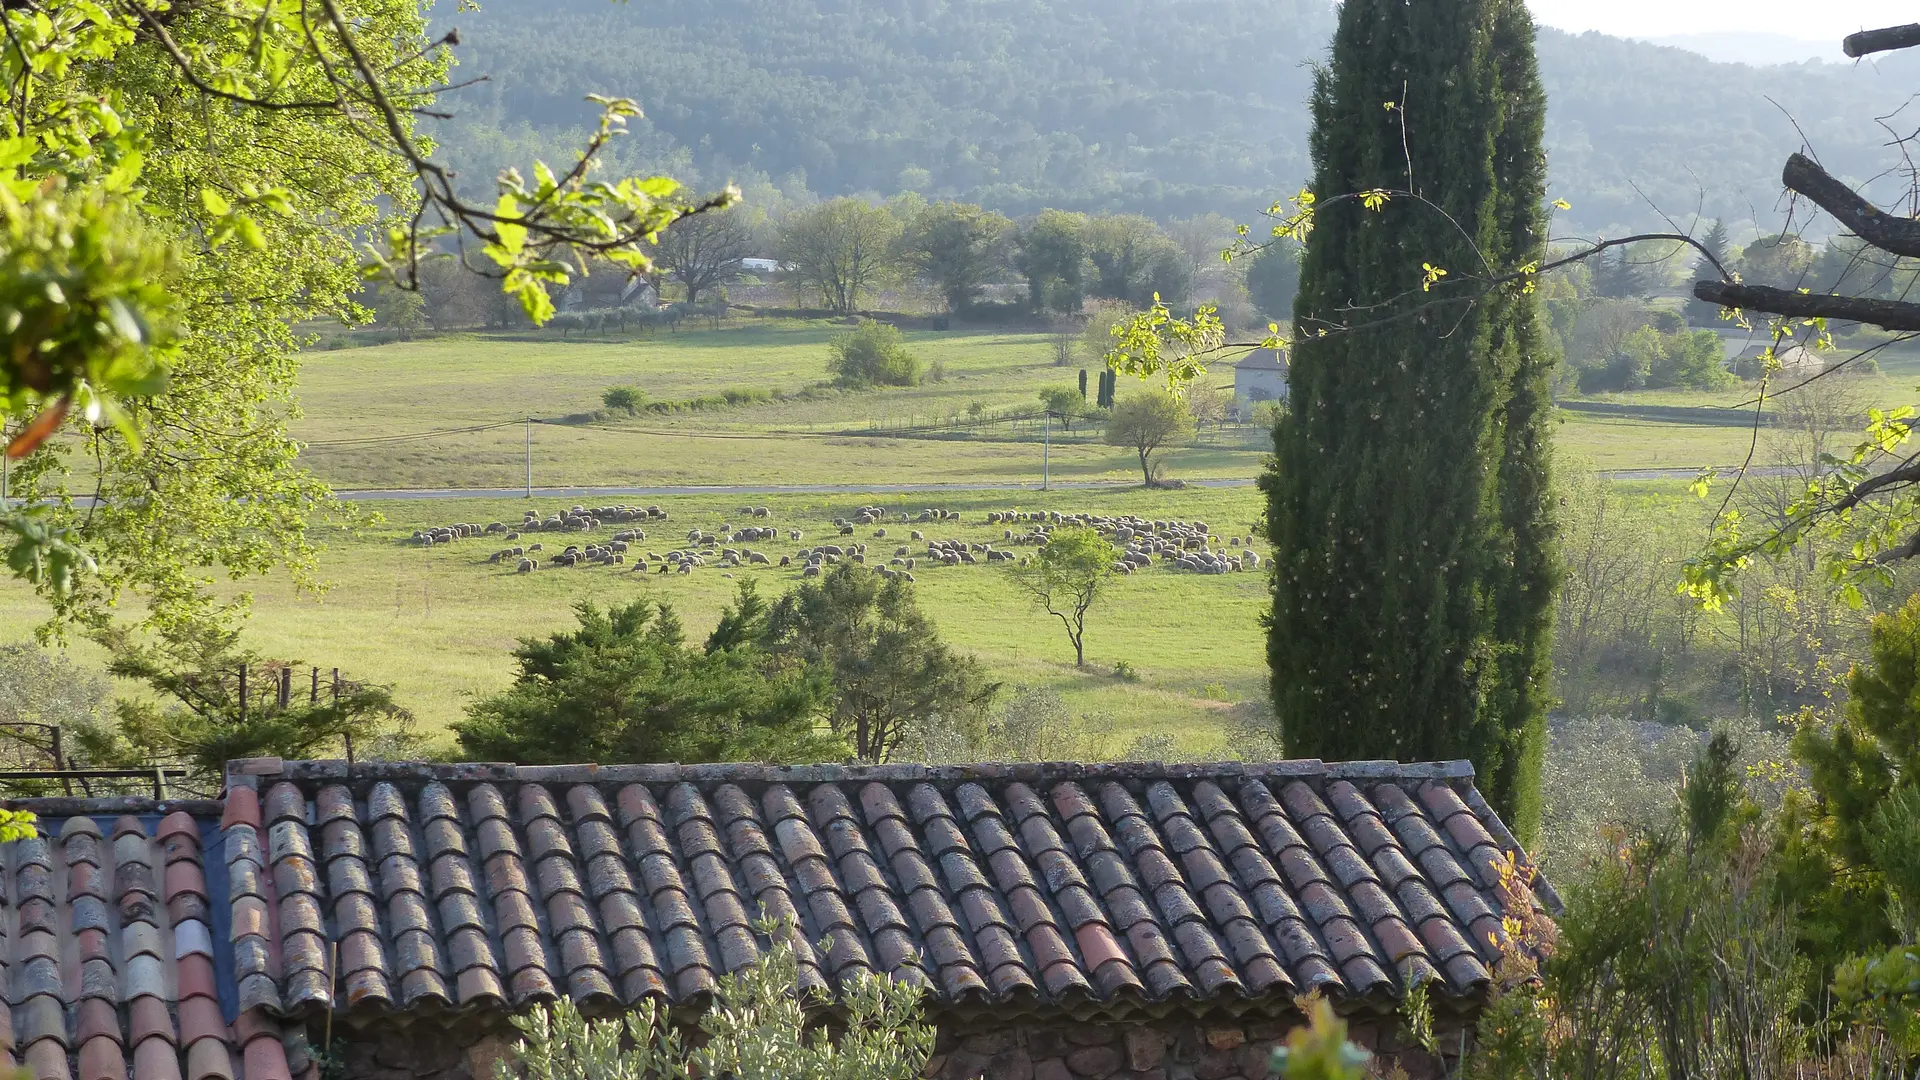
(1883, 40)
(1894, 235)
(1885, 314)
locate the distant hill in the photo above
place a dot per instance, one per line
(1751, 47)
(1169, 107)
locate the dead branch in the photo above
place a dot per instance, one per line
(1883, 40)
(1885, 314)
(1891, 234)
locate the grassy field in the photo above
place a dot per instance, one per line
(465, 380)
(438, 623)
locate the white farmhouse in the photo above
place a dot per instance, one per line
(1261, 376)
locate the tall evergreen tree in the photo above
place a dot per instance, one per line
(1699, 311)
(1414, 549)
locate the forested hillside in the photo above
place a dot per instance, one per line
(1167, 107)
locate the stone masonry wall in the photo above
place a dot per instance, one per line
(1178, 1049)
(1161, 1050)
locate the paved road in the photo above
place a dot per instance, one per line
(386, 494)
(395, 494)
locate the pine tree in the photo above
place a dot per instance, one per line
(1407, 500)
(1699, 312)
(1617, 276)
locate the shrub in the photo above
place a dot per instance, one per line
(757, 1028)
(873, 354)
(625, 686)
(630, 399)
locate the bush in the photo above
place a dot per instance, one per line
(873, 354)
(625, 686)
(757, 1027)
(630, 399)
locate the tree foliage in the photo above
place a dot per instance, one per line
(704, 251)
(1147, 421)
(840, 250)
(957, 248)
(1050, 251)
(625, 686)
(1414, 560)
(181, 191)
(213, 701)
(1067, 577)
(1135, 261)
(888, 667)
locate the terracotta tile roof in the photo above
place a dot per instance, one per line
(114, 945)
(1110, 890)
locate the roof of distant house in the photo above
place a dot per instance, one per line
(1262, 360)
(1115, 891)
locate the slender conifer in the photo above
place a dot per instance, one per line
(1408, 500)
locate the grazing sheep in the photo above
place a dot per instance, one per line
(812, 570)
(918, 535)
(527, 566)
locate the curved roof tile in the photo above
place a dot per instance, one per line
(1104, 890)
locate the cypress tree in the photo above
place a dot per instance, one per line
(1407, 499)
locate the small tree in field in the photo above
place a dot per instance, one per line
(1148, 421)
(873, 354)
(1067, 577)
(757, 1029)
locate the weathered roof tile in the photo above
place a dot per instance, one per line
(1085, 887)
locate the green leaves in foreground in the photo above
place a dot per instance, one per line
(759, 1028)
(83, 310)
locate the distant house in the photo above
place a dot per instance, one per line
(759, 266)
(1261, 376)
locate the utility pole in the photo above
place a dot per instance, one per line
(1046, 450)
(529, 457)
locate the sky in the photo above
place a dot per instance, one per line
(1833, 19)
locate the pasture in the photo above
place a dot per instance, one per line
(356, 400)
(438, 623)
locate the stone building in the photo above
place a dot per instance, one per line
(1069, 922)
(1259, 376)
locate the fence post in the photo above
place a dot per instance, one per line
(243, 693)
(286, 686)
(159, 783)
(60, 762)
(313, 696)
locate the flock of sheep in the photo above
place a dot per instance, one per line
(1178, 545)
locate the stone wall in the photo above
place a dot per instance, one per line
(1162, 1050)
(1177, 1049)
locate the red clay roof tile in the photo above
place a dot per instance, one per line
(156, 1059)
(243, 808)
